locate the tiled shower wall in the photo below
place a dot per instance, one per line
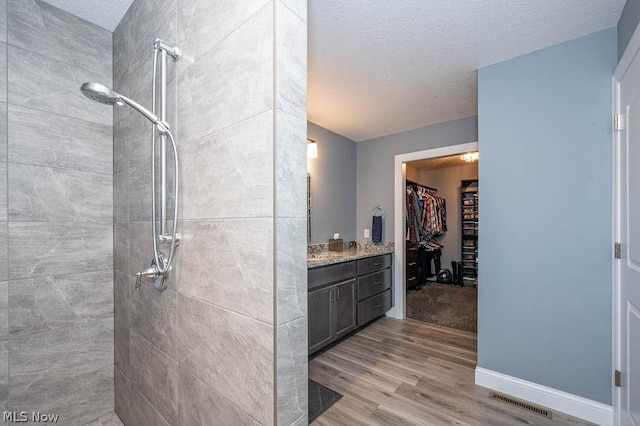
(56, 208)
(226, 343)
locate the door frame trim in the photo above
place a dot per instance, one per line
(399, 175)
(630, 54)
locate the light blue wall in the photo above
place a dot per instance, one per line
(376, 164)
(627, 24)
(545, 216)
(333, 185)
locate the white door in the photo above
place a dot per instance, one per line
(628, 232)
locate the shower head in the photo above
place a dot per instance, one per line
(99, 93)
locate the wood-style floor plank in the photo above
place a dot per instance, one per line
(397, 373)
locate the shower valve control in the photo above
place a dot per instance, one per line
(150, 272)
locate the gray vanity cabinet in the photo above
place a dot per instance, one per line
(320, 318)
(345, 296)
(332, 313)
(345, 304)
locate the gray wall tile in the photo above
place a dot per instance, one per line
(236, 360)
(123, 287)
(239, 277)
(140, 248)
(110, 419)
(121, 196)
(78, 399)
(44, 249)
(45, 139)
(4, 374)
(43, 83)
(292, 371)
(49, 303)
(3, 72)
(291, 264)
(291, 63)
(244, 79)
(4, 341)
(42, 194)
(197, 36)
(142, 34)
(3, 191)
(291, 166)
(200, 404)
(121, 130)
(140, 193)
(75, 361)
(3, 131)
(143, 413)
(122, 346)
(4, 311)
(4, 251)
(153, 315)
(60, 353)
(49, 31)
(3, 20)
(230, 173)
(155, 375)
(122, 397)
(121, 255)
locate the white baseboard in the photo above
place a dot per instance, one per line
(554, 399)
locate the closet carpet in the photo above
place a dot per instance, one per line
(446, 305)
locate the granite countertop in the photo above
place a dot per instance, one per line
(317, 258)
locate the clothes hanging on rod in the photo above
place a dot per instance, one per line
(426, 213)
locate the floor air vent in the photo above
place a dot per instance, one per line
(521, 404)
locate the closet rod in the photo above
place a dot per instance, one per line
(410, 182)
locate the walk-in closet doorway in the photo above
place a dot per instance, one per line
(399, 309)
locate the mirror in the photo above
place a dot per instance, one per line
(308, 207)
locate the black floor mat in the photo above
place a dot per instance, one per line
(320, 399)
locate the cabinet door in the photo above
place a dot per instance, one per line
(345, 308)
(320, 318)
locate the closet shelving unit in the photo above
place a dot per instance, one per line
(469, 232)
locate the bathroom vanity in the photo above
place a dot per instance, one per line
(346, 291)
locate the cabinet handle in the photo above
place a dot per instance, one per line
(412, 279)
(376, 264)
(338, 293)
(377, 283)
(413, 263)
(331, 296)
(377, 306)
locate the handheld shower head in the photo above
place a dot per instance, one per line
(99, 93)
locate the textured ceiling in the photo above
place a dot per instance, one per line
(381, 67)
(105, 13)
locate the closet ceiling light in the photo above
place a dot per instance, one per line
(470, 157)
(312, 149)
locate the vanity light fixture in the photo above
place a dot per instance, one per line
(312, 149)
(470, 157)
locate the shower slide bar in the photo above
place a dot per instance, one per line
(161, 264)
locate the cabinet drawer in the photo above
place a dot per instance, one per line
(373, 283)
(324, 275)
(412, 253)
(412, 270)
(373, 307)
(412, 281)
(373, 264)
